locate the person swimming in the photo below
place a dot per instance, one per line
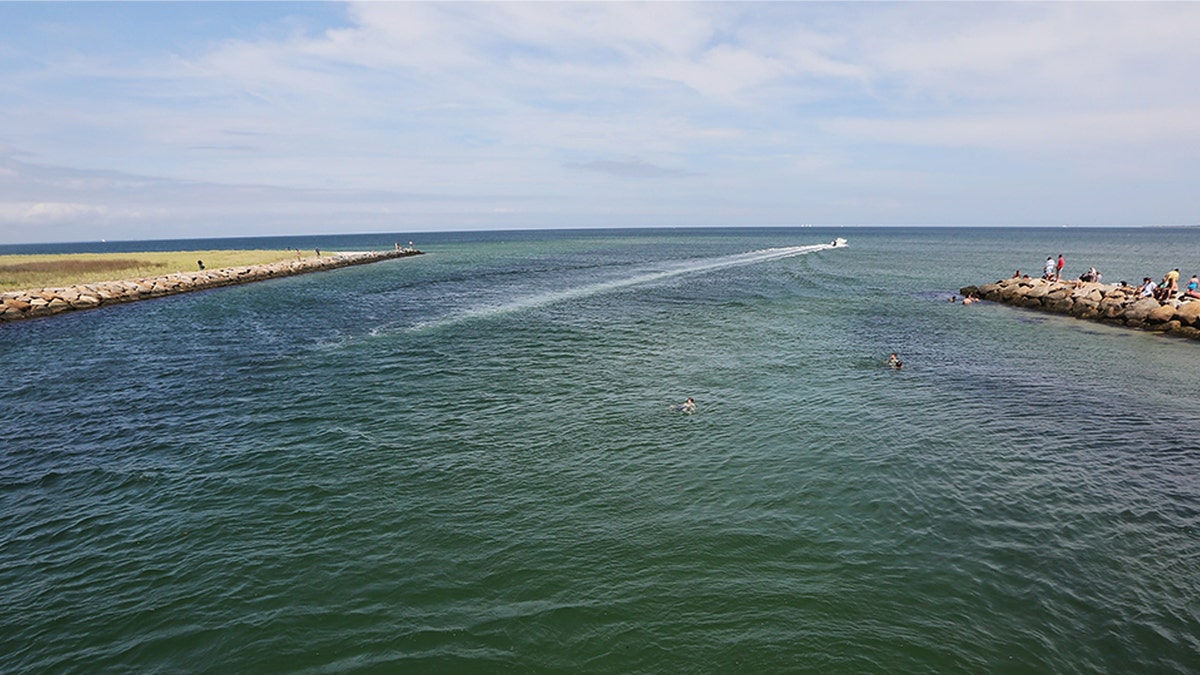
(688, 406)
(895, 362)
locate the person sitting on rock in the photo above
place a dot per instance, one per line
(1148, 288)
(1192, 290)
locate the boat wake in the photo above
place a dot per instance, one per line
(641, 277)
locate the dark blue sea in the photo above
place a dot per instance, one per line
(470, 462)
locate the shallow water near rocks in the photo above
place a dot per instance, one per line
(468, 461)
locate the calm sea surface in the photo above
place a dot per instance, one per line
(468, 461)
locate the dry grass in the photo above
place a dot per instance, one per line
(23, 272)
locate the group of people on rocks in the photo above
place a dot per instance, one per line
(1053, 269)
(1168, 288)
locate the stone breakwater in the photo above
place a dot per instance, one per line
(1108, 303)
(18, 305)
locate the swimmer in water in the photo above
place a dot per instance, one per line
(688, 406)
(895, 362)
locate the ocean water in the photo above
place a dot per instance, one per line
(468, 461)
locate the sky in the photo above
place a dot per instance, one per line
(146, 120)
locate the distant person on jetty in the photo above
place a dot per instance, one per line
(1148, 287)
(1192, 290)
(1091, 275)
(1059, 267)
(1048, 272)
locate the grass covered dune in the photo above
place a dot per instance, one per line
(24, 272)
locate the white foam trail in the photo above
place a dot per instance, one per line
(690, 267)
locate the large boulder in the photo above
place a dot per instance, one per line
(1084, 308)
(1008, 292)
(1141, 309)
(1089, 291)
(22, 305)
(1187, 332)
(1189, 313)
(1038, 291)
(85, 301)
(1111, 306)
(14, 308)
(108, 291)
(1059, 304)
(1161, 314)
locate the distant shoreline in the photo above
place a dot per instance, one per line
(35, 303)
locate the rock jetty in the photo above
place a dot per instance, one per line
(1107, 303)
(19, 305)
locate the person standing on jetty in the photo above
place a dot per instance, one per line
(1059, 267)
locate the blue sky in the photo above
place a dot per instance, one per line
(168, 120)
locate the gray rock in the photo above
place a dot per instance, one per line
(1141, 309)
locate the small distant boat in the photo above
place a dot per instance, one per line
(838, 243)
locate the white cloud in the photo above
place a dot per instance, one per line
(1048, 54)
(33, 213)
(1035, 132)
(628, 168)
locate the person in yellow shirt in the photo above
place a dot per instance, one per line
(1170, 285)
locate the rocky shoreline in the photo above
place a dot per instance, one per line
(1107, 303)
(30, 304)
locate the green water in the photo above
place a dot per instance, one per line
(469, 462)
